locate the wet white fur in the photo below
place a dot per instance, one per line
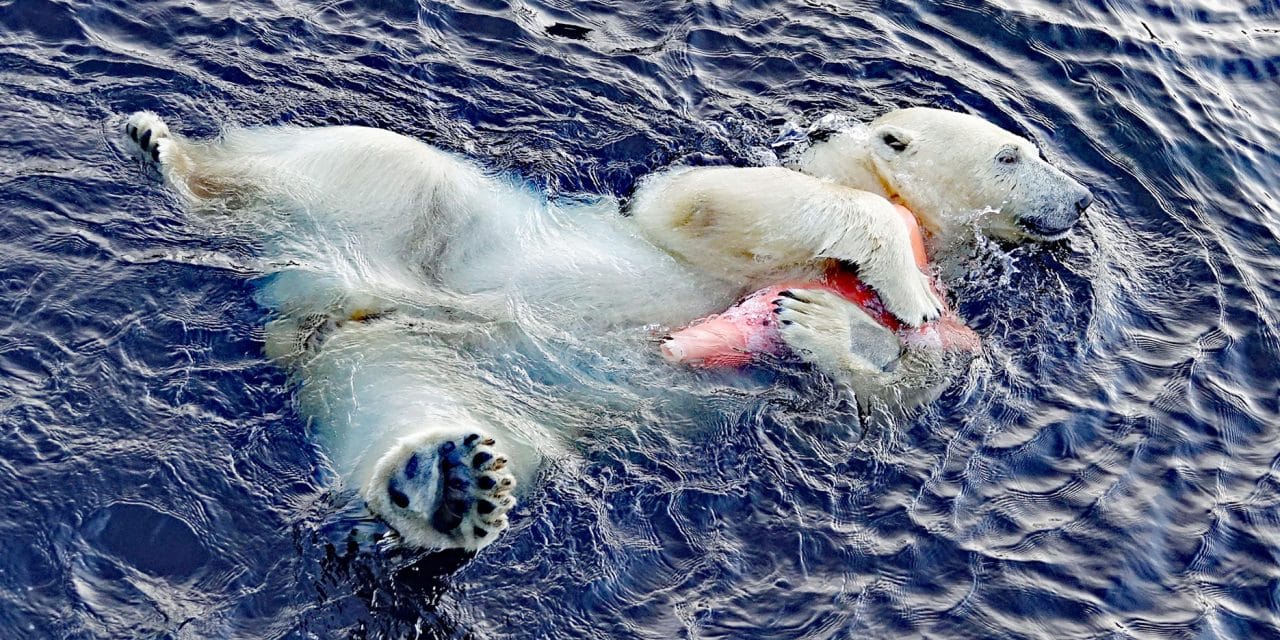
(835, 336)
(363, 221)
(755, 225)
(382, 214)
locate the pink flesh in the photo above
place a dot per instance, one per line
(748, 329)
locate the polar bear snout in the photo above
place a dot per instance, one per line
(1061, 203)
(1084, 201)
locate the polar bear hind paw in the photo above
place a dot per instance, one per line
(445, 492)
(477, 489)
(834, 335)
(150, 135)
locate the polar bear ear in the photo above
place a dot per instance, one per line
(890, 141)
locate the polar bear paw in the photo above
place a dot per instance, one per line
(444, 492)
(150, 136)
(910, 298)
(835, 335)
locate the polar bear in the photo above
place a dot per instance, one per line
(389, 264)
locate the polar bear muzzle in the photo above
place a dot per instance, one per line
(1047, 203)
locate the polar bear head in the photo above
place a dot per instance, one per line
(953, 169)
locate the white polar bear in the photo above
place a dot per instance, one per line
(390, 260)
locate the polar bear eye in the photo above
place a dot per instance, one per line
(1008, 155)
(893, 142)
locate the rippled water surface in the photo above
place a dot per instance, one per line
(1108, 468)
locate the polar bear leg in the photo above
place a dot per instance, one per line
(905, 290)
(388, 421)
(835, 335)
(443, 489)
(749, 224)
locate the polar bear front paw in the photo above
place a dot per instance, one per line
(910, 298)
(149, 134)
(444, 492)
(833, 334)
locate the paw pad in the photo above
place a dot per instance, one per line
(469, 486)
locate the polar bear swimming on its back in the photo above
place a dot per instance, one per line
(389, 257)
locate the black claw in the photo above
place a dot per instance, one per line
(788, 322)
(499, 464)
(471, 439)
(411, 467)
(486, 482)
(480, 458)
(398, 497)
(484, 507)
(145, 140)
(787, 294)
(489, 442)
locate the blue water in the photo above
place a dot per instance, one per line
(1109, 468)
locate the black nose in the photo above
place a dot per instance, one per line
(1083, 203)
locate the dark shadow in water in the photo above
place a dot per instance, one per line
(399, 589)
